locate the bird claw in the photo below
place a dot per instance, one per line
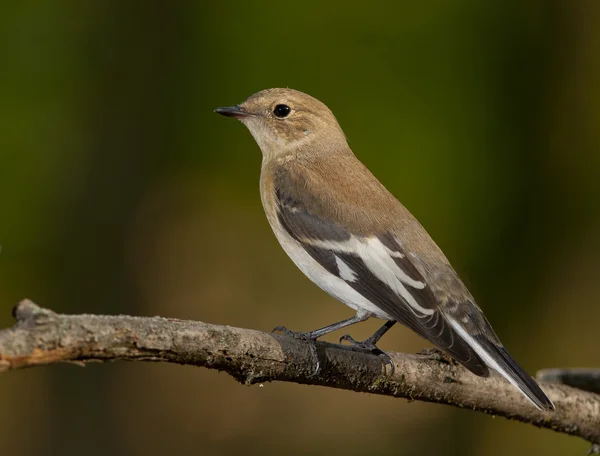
(306, 337)
(287, 332)
(436, 354)
(368, 345)
(350, 339)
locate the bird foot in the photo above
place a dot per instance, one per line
(368, 345)
(306, 337)
(436, 354)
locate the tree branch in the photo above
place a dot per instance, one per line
(582, 378)
(41, 336)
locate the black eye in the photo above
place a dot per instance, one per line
(281, 110)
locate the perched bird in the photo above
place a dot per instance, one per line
(356, 241)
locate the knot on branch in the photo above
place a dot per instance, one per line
(28, 314)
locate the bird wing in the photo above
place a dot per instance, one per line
(382, 271)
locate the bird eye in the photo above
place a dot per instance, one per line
(281, 111)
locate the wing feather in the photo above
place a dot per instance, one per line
(383, 273)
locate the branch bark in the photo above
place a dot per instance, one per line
(41, 336)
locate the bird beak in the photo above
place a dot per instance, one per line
(233, 111)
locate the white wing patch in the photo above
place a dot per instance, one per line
(332, 284)
(346, 273)
(380, 261)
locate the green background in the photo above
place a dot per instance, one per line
(122, 192)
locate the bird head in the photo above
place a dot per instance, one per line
(286, 121)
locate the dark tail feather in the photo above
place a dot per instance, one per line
(514, 373)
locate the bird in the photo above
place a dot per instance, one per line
(351, 237)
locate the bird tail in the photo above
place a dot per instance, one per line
(515, 374)
(496, 357)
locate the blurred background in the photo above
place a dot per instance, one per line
(122, 192)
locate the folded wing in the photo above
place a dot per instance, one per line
(378, 268)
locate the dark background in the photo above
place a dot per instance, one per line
(122, 192)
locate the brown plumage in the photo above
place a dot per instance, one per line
(355, 240)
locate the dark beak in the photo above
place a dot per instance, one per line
(232, 111)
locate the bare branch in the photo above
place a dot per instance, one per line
(41, 336)
(582, 378)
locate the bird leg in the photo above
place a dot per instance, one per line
(312, 336)
(370, 344)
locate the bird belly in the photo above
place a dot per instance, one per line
(333, 285)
